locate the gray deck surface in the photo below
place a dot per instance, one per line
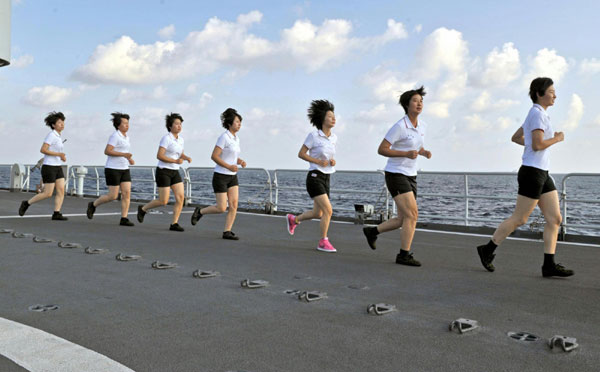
(152, 320)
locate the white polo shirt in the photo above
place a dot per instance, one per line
(405, 137)
(174, 147)
(321, 147)
(120, 143)
(230, 145)
(56, 145)
(536, 119)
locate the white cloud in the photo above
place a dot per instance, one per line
(22, 61)
(476, 123)
(444, 53)
(223, 43)
(191, 89)
(484, 102)
(46, 96)
(500, 67)
(590, 66)
(597, 121)
(547, 63)
(205, 99)
(167, 32)
(575, 113)
(387, 85)
(505, 123)
(418, 28)
(130, 95)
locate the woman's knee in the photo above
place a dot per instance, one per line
(411, 215)
(554, 219)
(233, 205)
(221, 208)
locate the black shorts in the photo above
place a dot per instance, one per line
(533, 182)
(50, 173)
(167, 177)
(317, 183)
(398, 183)
(222, 182)
(114, 177)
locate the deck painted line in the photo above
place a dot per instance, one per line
(338, 222)
(39, 351)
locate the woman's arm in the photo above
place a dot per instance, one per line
(518, 137)
(216, 157)
(386, 150)
(46, 151)
(303, 154)
(538, 142)
(161, 155)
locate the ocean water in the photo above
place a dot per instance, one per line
(369, 188)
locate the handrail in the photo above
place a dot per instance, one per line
(268, 184)
(272, 183)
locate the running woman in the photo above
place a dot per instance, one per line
(319, 151)
(401, 145)
(52, 173)
(116, 170)
(536, 187)
(170, 156)
(225, 182)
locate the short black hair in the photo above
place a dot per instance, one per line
(228, 116)
(318, 110)
(53, 117)
(408, 95)
(169, 119)
(539, 86)
(116, 119)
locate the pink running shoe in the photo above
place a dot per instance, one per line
(291, 223)
(325, 246)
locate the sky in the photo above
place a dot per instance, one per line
(269, 59)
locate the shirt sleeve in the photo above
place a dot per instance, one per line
(49, 138)
(164, 142)
(112, 140)
(309, 141)
(221, 142)
(394, 134)
(537, 122)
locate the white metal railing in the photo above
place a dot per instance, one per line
(266, 185)
(97, 176)
(382, 191)
(272, 188)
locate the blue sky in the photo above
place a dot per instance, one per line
(269, 59)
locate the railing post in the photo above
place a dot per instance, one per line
(466, 200)
(97, 181)
(276, 190)
(80, 173)
(563, 228)
(17, 176)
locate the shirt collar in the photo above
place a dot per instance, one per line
(173, 137)
(230, 135)
(121, 134)
(55, 132)
(408, 124)
(322, 134)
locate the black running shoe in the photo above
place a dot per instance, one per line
(486, 258)
(407, 260)
(556, 270)
(90, 210)
(176, 227)
(196, 216)
(229, 235)
(23, 207)
(141, 213)
(371, 238)
(125, 222)
(57, 216)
